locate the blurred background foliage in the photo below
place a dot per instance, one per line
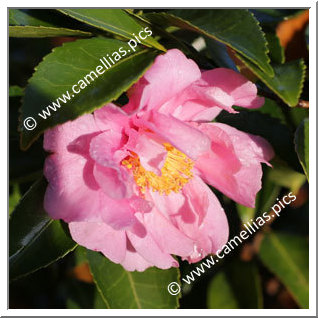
(270, 270)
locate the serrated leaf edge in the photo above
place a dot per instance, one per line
(301, 83)
(76, 32)
(199, 30)
(25, 147)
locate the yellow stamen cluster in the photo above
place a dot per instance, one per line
(175, 173)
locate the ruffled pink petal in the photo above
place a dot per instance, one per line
(100, 237)
(186, 106)
(133, 260)
(202, 114)
(165, 234)
(184, 137)
(168, 204)
(72, 193)
(119, 214)
(112, 182)
(224, 88)
(58, 138)
(211, 229)
(111, 117)
(239, 182)
(170, 74)
(103, 147)
(81, 145)
(145, 245)
(219, 165)
(200, 217)
(151, 153)
(247, 145)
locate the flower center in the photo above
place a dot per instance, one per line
(175, 173)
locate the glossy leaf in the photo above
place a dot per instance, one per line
(35, 240)
(297, 115)
(69, 64)
(236, 28)
(286, 177)
(245, 213)
(220, 294)
(83, 296)
(270, 108)
(276, 51)
(37, 17)
(24, 166)
(115, 21)
(123, 289)
(43, 32)
(287, 256)
(39, 22)
(14, 198)
(302, 145)
(287, 82)
(237, 285)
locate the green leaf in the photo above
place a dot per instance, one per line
(16, 91)
(36, 17)
(276, 51)
(236, 28)
(220, 294)
(302, 145)
(43, 32)
(271, 108)
(236, 286)
(80, 255)
(43, 23)
(82, 296)
(123, 289)
(66, 66)
(35, 240)
(25, 166)
(14, 198)
(286, 177)
(287, 256)
(245, 212)
(115, 21)
(287, 82)
(297, 115)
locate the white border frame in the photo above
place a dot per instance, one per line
(164, 312)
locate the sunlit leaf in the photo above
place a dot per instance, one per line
(302, 145)
(123, 289)
(65, 67)
(237, 285)
(115, 21)
(287, 256)
(236, 28)
(35, 240)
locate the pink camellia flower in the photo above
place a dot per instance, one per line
(130, 181)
